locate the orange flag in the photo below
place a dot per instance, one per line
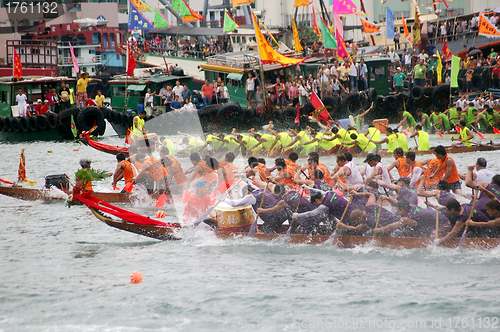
(486, 28)
(368, 27)
(407, 33)
(241, 2)
(18, 66)
(266, 53)
(302, 3)
(22, 168)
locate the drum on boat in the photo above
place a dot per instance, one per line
(234, 219)
(381, 124)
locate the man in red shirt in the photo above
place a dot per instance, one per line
(495, 75)
(208, 91)
(42, 109)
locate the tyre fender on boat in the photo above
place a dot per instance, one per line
(88, 117)
(477, 82)
(64, 131)
(229, 114)
(440, 96)
(2, 124)
(42, 122)
(417, 93)
(23, 124)
(16, 127)
(33, 124)
(8, 124)
(351, 105)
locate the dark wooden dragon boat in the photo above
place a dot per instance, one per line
(170, 231)
(46, 195)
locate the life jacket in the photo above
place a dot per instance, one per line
(290, 165)
(179, 177)
(137, 130)
(432, 166)
(392, 142)
(326, 177)
(157, 170)
(403, 168)
(288, 181)
(227, 169)
(128, 171)
(402, 141)
(454, 172)
(464, 135)
(208, 173)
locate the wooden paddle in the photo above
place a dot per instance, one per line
(289, 230)
(464, 234)
(378, 219)
(334, 234)
(253, 228)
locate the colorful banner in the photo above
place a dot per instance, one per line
(389, 23)
(229, 23)
(446, 51)
(141, 6)
(341, 47)
(266, 53)
(486, 28)
(344, 7)
(417, 38)
(369, 28)
(439, 69)
(407, 33)
(302, 3)
(455, 68)
(130, 62)
(73, 127)
(160, 21)
(315, 24)
(328, 40)
(75, 63)
(296, 39)
(137, 20)
(241, 2)
(188, 14)
(17, 66)
(339, 26)
(176, 5)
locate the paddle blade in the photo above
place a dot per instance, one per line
(253, 228)
(496, 131)
(457, 128)
(331, 239)
(480, 135)
(128, 187)
(461, 243)
(440, 135)
(116, 188)
(405, 133)
(161, 200)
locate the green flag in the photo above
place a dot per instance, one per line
(160, 21)
(328, 39)
(455, 67)
(184, 9)
(73, 127)
(229, 24)
(176, 5)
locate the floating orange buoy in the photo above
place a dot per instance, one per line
(160, 214)
(136, 277)
(75, 149)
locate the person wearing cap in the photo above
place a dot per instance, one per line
(43, 108)
(398, 80)
(197, 203)
(85, 164)
(81, 89)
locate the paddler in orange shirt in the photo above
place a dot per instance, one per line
(124, 170)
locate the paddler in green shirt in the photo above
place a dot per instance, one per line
(440, 120)
(455, 114)
(425, 120)
(465, 136)
(493, 119)
(422, 137)
(407, 121)
(470, 117)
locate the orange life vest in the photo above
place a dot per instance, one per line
(289, 181)
(128, 171)
(454, 172)
(291, 165)
(404, 169)
(179, 177)
(326, 177)
(432, 167)
(157, 170)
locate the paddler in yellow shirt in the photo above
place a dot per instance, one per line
(330, 142)
(422, 137)
(402, 141)
(391, 140)
(281, 140)
(138, 130)
(465, 136)
(264, 142)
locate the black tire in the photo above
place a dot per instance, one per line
(52, 121)
(229, 114)
(404, 99)
(461, 85)
(114, 116)
(16, 127)
(391, 106)
(428, 91)
(42, 122)
(417, 93)
(371, 93)
(365, 103)
(105, 112)
(64, 131)
(477, 82)
(352, 104)
(210, 110)
(124, 119)
(178, 71)
(23, 124)
(2, 124)
(65, 116)
(88, 117)
(130, 120)
(8, 124)
(441, 95)
(198, 96)
(332, 103)
(33, 124)
(307, 109)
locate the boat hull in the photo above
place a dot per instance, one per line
(341, 241)
(46, 135)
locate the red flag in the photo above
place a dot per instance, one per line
(297, 118)
(446, 52)
(22, 167)
(127, 137)
(315, 101)
(130, 62)
(324, 116)
(18, 66)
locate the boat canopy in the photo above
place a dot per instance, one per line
(135, 87)
(235, 76)
(161, 79)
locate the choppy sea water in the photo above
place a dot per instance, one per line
(63, 270)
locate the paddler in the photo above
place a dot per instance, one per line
(441, 121)
(197, 203)
(407, 121)
(138, 130)
(315, 181)
(364, 220)
(465, 136)
(285, 175)
(85, 164)
(490, 228)
(169, 144)
(400, 164)
(422, 137)
(493, 119)
(402, 188)
(425, 121)
(391, 140)
(200, 170)
(492, 187)
(124, 170)
(451, 172)
(349, 171)
(402, 141)
(175, 178)
(151, 172)
(416, 169)
(376, 169)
